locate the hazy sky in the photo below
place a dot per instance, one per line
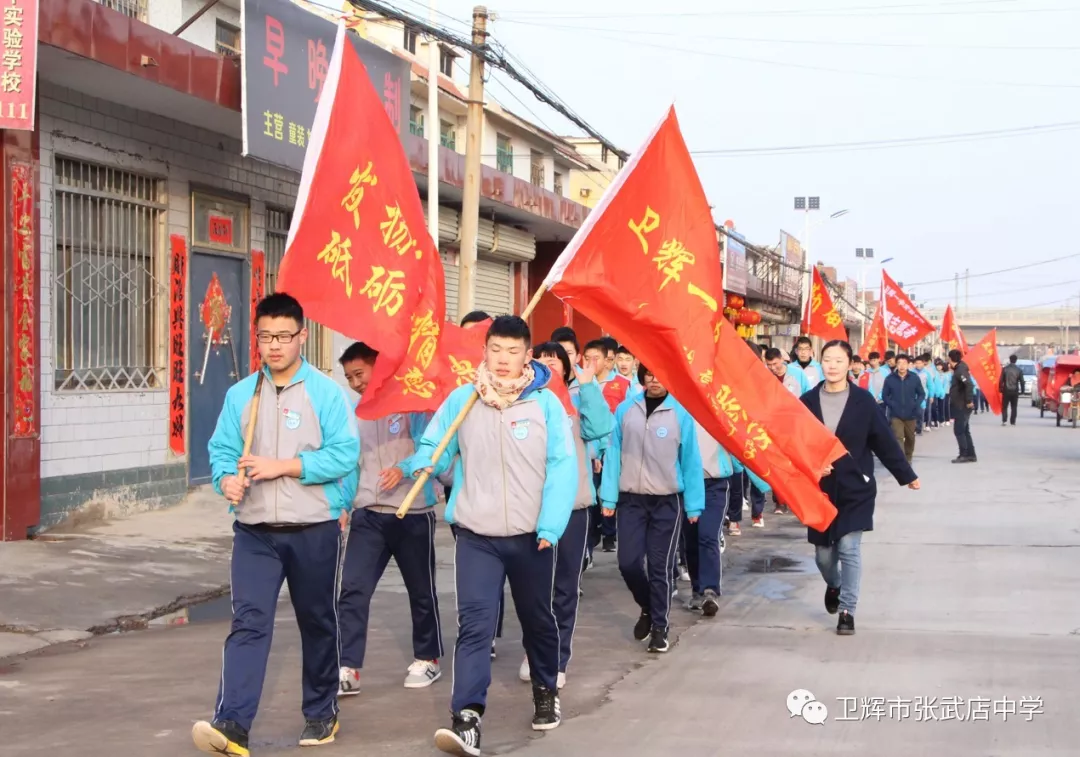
(742, 74)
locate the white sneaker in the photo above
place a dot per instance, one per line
(423, 673)
(745, 506)
(723, 542)
(348, 682)
(561, 680)
(523, 672)
(684, 574)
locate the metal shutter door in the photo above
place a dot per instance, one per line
(450, 273)
(494, 287)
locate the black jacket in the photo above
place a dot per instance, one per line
(962, 390)
(903, 396)
(1012, 379)
(864, 431)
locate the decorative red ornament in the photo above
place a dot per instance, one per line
(735, 301)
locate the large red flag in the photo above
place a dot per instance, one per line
(904, 324)
(951, 333)
(985, 366)
(645, 267)
(876, 341)
(358, 257)
(821, 318)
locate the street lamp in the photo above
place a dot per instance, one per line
(866, 255)
(807, 204)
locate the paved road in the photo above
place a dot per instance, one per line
(969, 591)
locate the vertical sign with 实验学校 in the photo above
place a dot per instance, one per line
(18, 66)
(286, 53)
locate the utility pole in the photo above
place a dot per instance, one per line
(433, 131)
(967, 281)
(956, 290)
(470, 200)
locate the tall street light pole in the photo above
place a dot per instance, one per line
(808, 205)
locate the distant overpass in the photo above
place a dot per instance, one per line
(1033, 330)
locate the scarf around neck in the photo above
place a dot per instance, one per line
(499, 393)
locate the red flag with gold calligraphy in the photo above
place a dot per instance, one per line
(823, 319)
(876, 340)
(951, 334)
(904, 324)
(358, 257)
(645, 267)
(985, 366)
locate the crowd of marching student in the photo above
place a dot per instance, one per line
(567, 451)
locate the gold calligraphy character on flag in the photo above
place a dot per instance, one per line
(396, 234)
(706, 377)
(464, 371)
(426, 332)
(815, 298)
(758, 439)
(670, 260)
(727, 403)
(708, 299)
(387, 292)
(414, 382)
(359, 180)
(833, 318)
(337, 255)
(648, 224)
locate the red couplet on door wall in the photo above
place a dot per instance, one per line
(258, 291)
(177, 363)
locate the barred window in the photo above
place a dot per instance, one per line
(109, 278)
(132, 8)
(319, 347)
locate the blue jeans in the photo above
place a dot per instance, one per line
(841, 565)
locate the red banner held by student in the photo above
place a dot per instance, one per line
(985, 366)
(951, 334)
(904, 324)
(822, 319)
(645, 267)
(876, 340)
(359, 258)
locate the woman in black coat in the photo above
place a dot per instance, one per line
(854, 416)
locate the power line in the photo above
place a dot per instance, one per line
(831, 69)
(1008, 291)
(995, 273)
(494, 55)
(871, 11)
(769, 40)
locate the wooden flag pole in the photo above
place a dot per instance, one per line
(439, 450)
(249, 432)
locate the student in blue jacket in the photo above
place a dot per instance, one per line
(376, 535)
(593, 422)
(705, 536)
(652, 475)
(515, 480)
(804, 358)
(290, 512)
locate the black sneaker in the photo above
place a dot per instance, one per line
(609, 544)
(709, 606)
(319, 732)
(642, 627)
(832, 600)
(220, 737)
(546, 712)
(845, 626)
(658, 643)
(463, 735)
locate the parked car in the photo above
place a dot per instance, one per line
(1031, 372)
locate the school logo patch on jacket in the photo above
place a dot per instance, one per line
(520, 429)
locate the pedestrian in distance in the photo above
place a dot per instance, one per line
(903, 395)
(593, 421)
(875, 376)
(376, 535)
(291, 510)
(962, 405)
(615, 388)
(804, 359)
(852, 414)
(1010, 384)
(652, 474)
(515, 482)
(791, 375)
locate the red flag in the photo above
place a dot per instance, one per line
(615, 391)
(904, 324)
(558, 387)
(876, 340)
(645, 267)
(358, 257)
(951, 333)
(821, 317)
(985, 366)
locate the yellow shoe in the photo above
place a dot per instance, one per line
(220, 737)
(319, 732)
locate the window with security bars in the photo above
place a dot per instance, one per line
(133, 8)
(319, 347)
(109, 278)
(228, 39)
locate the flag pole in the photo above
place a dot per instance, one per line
(441, 448)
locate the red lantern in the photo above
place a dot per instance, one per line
(735, 301)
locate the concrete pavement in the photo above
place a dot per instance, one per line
(969, 590)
